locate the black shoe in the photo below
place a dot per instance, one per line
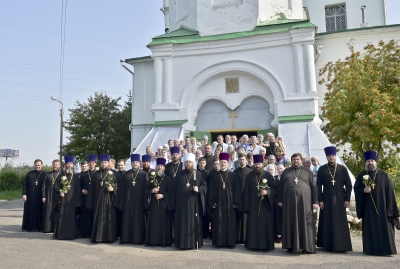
(290, 250)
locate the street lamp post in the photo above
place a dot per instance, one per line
(61, 124)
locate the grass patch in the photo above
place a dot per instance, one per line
(355, 232)
(10, 195)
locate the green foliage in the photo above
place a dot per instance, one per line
(361, 106)
(10, 180)
(99, 126)
(10, 195)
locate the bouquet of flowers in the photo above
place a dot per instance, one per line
(109, 182)
(368, 182)
(66, 186)
(263, 185)
(154, 182)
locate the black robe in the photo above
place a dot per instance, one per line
(159, 225)
(120, 175)
(101, 201)
(85, 222)
(209, 162)
(241, 174)
(33, 207)
(298, 231)
(48, 220)
(260, 213)
(66, 208)
(228, 202)
(189, 209)
(206, 220)
(333, 230)
(132, 200)
(378, 232)
(171, 170)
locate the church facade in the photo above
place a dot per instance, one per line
(236, 66)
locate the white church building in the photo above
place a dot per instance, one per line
(246, 66)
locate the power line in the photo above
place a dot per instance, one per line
(64, 68)
(31, 68)
(44, 31)
(63, 78)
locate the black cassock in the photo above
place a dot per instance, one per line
(132, 200)
(33, 207)
(206, 221)
(159, 227)
(260, 213)
(171, 169)
(378, 230)
(101, 201)
(48, 220)
(224, 192)
(241, 173)
(298, 230)
(189, 209)
(278, 212)
(85, 221)
(66, 208)
(119, 176)
(333, 231)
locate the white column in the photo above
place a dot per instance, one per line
(298, 68)
(158, 77)
(167, 80)
(309, 67)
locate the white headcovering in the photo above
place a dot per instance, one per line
(189, 157)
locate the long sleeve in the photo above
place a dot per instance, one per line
(90, 196)
(359, 193)
(44, 187)
(349, 186)
(314, 189)
(26, 184)
(319, 186)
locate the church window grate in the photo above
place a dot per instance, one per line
(335, 18)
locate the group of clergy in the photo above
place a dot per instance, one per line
(176, 202)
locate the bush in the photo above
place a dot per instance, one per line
(10, 181)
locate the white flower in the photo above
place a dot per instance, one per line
(110, 172)
(264, 181)
(64, 178)
(153, 173)
(97, 168)
(366, 177)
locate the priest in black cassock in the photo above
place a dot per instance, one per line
(47, 197)
(67, 202)
(100, 199)
(241, 173)
(159, 225)
(223, 203)
(120, 174)
(132, 200)
(258, 203)
(334, 191)
(298, 195)
(190, 193)
(172, 168)
(146, 161)
(32, 197)
(85, 221)
(201, 164)
(376, 206)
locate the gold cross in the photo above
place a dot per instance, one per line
(373, 185)
(333, 181)
(233, 116)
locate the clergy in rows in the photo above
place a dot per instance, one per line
(376, 206)
(334, 191)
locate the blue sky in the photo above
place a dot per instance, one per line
(98, 34)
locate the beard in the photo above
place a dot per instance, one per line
(370, 167)
(160, 173)
(146, 166)
(69, 171)
(258, 170)
(189, 166)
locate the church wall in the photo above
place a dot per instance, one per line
(182, 13)
(375, 12)
(334, 47)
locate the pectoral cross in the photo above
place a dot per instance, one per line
(333, 182)
(133, 183)
(233, 116)
(373, 185)
(296, 180)
(36, 183)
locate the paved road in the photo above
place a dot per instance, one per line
(37, 250)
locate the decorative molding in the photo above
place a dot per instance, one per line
(231, 85)
(301, 118)
(170, 123)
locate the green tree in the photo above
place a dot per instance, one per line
(98, 126)
(362, 104)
